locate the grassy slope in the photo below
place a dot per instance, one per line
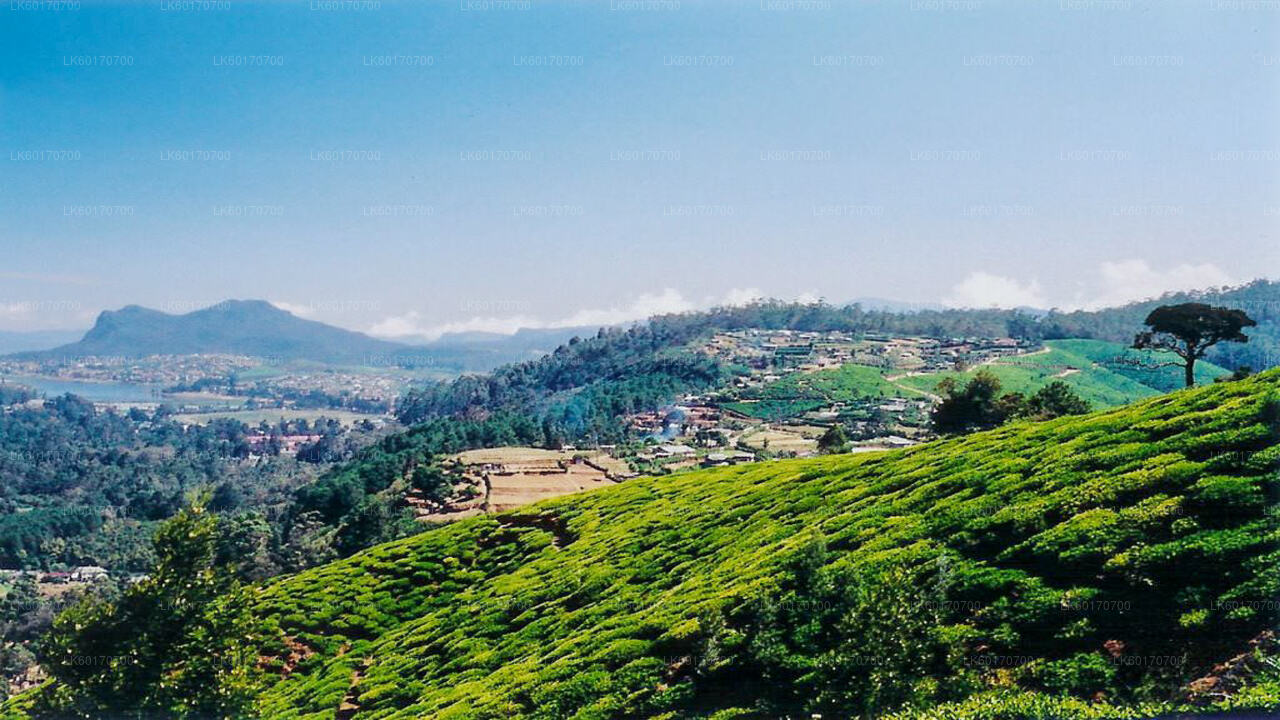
(799, 393)
(1099, 379)
(1163, 503)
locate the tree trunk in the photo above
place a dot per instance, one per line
(1190, 367)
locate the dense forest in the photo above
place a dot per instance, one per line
(581, 386)
(84, 486)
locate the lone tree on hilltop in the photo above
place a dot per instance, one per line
(1190, 329)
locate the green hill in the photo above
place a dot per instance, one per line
(579, 392)
(1120, 554)
(1142, 366)
(1106, 374)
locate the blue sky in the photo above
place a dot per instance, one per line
(485, 164)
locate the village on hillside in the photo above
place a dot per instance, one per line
(778, 407)
(723, 427)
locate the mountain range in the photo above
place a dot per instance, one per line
(259, 329)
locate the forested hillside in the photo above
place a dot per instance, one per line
(1080, 566)
(82, 486)
(361, 503)
(581, 388)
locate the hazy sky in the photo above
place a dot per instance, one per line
(493, 163)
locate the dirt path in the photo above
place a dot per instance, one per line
(893, 380)
(926, 393)
(348, 708)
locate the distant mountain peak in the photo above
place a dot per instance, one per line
(239, 327)
(234, 305)
(130, 310)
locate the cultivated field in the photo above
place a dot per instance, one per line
(514, 476)
(531, 483)
(799, 440)
(516, 455)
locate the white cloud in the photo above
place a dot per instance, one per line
(501, 325)
(398, 326)
(413, 324)
(1116, 283)
(741, 296)
(646, 305)
(668, 301)
(985, 290)
(296, 308)
(1125, 281)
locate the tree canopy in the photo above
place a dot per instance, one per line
(981, 404)
(173, 645)
(1188, 330)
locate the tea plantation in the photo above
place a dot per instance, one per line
(1084, 567)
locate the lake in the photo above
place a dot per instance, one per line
(102, 392)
